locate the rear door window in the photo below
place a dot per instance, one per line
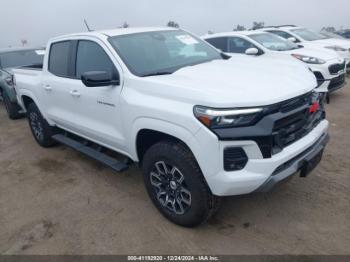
(219, 43)
(59, 59)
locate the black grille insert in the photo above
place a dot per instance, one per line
(295, 126)
(337, 83)
(336, 68)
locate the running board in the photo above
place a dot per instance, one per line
(111, 162)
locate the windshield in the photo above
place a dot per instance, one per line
(331, 35)
(162, 52)
(273, 42)
(308, 35)
(21, 58)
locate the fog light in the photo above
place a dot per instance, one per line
(234, 159)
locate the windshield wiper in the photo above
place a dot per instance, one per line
(157, 74)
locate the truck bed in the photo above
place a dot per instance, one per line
(27, 81)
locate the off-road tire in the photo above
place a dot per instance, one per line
(175, 154)
(40, 128)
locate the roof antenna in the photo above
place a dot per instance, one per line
(87, 26)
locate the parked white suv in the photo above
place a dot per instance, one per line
(199, 126)
(327, 66)
(308, 38)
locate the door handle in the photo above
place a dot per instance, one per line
(47, 87)
(75, 93)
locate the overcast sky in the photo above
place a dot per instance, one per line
(38, 20)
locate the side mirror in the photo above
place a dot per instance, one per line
(225, 56)
(100, 78)
(252, 51)
(292, 39)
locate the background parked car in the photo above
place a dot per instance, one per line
(332, 35)
(10, 59)
(308, 38)
(344, 33)
(327, 66)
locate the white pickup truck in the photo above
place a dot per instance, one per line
(199, 124)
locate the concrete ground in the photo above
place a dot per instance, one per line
(56, 201)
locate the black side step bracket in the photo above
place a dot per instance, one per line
(111, 162)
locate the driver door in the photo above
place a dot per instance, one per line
(98, 108)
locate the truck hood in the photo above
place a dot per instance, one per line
(318, 52)
(243, 81)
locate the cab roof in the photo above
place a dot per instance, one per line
(117, 32)
(286, 27)
(232, 33)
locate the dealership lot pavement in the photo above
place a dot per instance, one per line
(56, 201)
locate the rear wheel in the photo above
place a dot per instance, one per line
(41, 130)
(12, 109)
(176, 184)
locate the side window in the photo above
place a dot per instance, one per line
(347, 34)
(219, 43)
(239, 45)
(282, 34)
(59, 59)
(92, 57)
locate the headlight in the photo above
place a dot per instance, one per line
(9, 80)
(337, 48)
(218, 118)
(309, 59)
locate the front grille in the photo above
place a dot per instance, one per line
(295, 103)
(337, 83)
(280, 125)
(336, 68)
(295, 126)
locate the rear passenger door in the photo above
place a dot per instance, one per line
(56, 85)
(219, 43)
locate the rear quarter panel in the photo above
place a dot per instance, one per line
(9, 90)
(28, 83)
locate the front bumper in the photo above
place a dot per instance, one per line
(294, 165)
(328, 82)
(258, 170)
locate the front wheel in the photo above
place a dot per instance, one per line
(176, 184)
(40, 128)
